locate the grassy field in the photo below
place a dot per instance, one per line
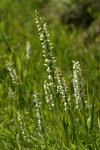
(49, 79)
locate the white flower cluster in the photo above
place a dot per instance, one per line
(22, 126)
(11, 93)
(62, 89)
(28, 47)
(39, 112)
(78, 84)
(49, 60)
(48, 94)
(13, 73)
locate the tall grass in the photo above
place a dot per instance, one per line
(51, 117)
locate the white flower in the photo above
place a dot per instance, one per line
(12, 73)
(48, 70)
(41, 37)
(49, 77)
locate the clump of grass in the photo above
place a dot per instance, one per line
(73, 112)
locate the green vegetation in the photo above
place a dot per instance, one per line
(49, 103)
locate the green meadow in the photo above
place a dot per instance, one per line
(49, 75)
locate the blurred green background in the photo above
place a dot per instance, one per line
(75, 33)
